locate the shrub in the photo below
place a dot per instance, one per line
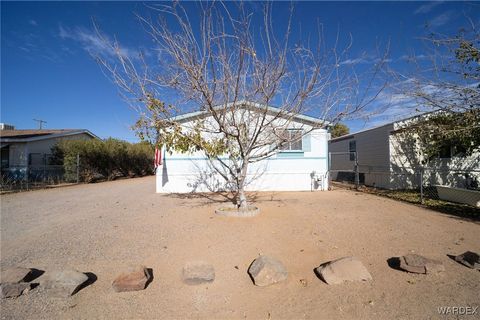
(104, 159)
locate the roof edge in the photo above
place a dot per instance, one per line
(383, 125)
(194, 114)
(51, 136)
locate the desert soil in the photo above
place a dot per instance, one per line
(103, 228)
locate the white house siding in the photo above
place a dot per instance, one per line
(286, 171)
(407, 158)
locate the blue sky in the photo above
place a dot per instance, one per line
(47, 72)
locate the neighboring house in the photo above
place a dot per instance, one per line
(302, 165)
(388, 159)
(23, 149)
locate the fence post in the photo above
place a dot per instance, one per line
(357, 175)
(26, 175)
(421, 185)
(44, 167)
(78, 168)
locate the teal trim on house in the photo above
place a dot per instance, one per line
(290, 154)
(299, 158)
(287, 156)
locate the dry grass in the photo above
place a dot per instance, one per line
(430, 200)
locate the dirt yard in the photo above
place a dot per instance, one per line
(102, 228)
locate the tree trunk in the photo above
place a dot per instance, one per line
(241, 198)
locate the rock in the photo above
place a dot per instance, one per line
(343, 269)
(197, 272)
(303, 282)
(418, 264)
(63, 283)
(234, 211)
(469, 259)
(133, 279)
(266, 271)
(13, 290)
(15, 275)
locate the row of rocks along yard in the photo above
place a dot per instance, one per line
(264, 271)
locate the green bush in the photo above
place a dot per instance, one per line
(104, 159)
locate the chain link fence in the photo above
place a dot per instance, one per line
(40, 172)
(439, 187)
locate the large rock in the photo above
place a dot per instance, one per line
(197, 272)
(419, 264)
(132, 279)
(266, 271)
(343, 269)
(15, 275)
(63, 283)
(13, 290)
(469, 259)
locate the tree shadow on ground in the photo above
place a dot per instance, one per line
(223, 197)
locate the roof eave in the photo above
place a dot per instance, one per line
(198, 114)
(48, 136)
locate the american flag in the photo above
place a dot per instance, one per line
(158, 157)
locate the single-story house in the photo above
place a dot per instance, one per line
(385, 158)
(300, 166)
(31, 148)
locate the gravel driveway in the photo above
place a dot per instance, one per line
(103, 228)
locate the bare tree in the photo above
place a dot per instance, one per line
(231, 74)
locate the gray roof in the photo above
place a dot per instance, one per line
(36, 135)
(347, 136)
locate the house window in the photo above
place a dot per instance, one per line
(293, 138)
(449, 150)
(5, 157)
(352, 148)
(459, 151)
(36, 159)
(445, 152)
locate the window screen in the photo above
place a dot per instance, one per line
(293, 139)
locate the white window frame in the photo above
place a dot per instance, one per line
(287, 147)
